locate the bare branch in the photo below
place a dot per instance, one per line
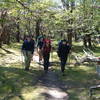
(23, 5)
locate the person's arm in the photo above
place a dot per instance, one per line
(59, 50)
(43, 47)
(51, 49)
(33, 46)
(23, 46)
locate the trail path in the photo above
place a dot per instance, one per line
(37, 85)
(48, 85)
(53, 88)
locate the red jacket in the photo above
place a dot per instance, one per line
(47, 41)
(46, 49)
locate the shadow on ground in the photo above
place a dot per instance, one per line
(7, 51)
(15, 81)
(55, 89)
(78, 80)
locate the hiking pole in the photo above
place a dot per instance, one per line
(52, 57)
(22, 59)
(51, 60)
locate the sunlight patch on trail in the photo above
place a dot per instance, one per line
(33, 94)
(57, 93)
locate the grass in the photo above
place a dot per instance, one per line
(78, 79)
(16, 81)
(17, 84)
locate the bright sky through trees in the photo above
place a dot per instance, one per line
(57, 1)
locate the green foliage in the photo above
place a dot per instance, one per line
(84, 19)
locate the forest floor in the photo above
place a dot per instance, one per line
(17, 84)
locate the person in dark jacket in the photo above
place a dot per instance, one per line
(28, 50)
(63, 51)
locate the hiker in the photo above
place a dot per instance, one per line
(28, 50)
(39, 49)
(40, 42)
(41, 36)
(63, 51)
(46, 53)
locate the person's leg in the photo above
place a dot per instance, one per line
(47, 60)
(63, 63)
(45, 57)
(29, 58)
(40, 55)
(25, 59)
(44, 63)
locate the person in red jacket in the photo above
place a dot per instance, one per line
(46, 54)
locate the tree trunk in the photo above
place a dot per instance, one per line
(0, 44)
(75, 37)
(38, 27)
(2, 32)
(8, 39)
(72, 6)
(18, 36)
(85, 41)
(69, 36)
(18, 33)
(89, 41)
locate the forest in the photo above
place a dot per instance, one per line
(77, 21)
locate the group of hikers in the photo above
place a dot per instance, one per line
(44, 48)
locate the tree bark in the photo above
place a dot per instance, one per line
(69, 36)
(38, 27)
(72, 6)
(8, 39)
(85, 41)
(89, 41)
(18, 33)
(75, 36)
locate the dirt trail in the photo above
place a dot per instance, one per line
(53, 88)
(50, 88)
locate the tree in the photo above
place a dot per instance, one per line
(34, 17)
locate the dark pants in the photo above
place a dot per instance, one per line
(46, 61)
(63, 63)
